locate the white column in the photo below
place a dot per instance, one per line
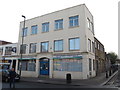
(37, 67)
(51, 68)
(16, 69)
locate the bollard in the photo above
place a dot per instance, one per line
(106, 74)
(68, 78)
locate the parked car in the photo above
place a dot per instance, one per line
(6, 78)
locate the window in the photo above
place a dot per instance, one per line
(1, 51)
(90, 64)
(44, 46)
(74, 44)
(95, 44)
(23, 48)
(58, 45)
(88, 23)
(93, 47)
(98, 46)
(8, 50)
(24, 65)
(45, 27)
(94, 64)
(58, 24)
(73, 65)
(32, 47)
(24, 32)
(89, 45)
(91, 27)
(27, 65)
(74, 21)
(34, 29)
(31, 65)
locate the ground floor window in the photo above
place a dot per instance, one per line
(74, 65)
(27, 65)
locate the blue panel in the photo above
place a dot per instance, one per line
(44, 68)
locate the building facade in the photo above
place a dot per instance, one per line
(100, 57)
(58, 43)
(8, 53)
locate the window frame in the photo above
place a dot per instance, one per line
(72, 21)
(47, 46)
(58, 22)
(74, 44)
(58, 46)
(35, 30)
(89, 45)
(45, 27)
(30, 49)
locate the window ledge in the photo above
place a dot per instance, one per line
(73, 27)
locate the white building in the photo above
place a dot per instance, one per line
(58, 43)
(8, 53)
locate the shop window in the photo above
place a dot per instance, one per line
(31, 66)
(27, 65)
(73, 65)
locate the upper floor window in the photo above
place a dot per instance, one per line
(74, 21)
(45, 27)
(93, 47)
(1, 51)
(33, 48)
(89, 45)
(24, 32)
(91, 27)
(34, 29)
(23, 48)
(58, 24)
(88, 23)
(74, 44)
(58, 45)
(44, 46)
(8, 50)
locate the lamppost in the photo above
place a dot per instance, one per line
(22, 43)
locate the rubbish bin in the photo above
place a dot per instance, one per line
(68, 78)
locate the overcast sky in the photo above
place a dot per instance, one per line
(105, 13)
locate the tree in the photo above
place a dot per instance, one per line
(113, 57)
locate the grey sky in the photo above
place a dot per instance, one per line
(105, 14)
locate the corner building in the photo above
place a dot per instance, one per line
(58, 43)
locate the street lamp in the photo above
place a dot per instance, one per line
(22, 43)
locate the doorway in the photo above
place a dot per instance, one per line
(44, 66)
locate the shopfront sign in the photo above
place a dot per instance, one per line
(67, 57)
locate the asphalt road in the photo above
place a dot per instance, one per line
(32, 85)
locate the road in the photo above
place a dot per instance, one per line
(33, 85)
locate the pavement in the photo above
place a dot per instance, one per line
(99, 80)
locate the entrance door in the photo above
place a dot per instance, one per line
(44, 67)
